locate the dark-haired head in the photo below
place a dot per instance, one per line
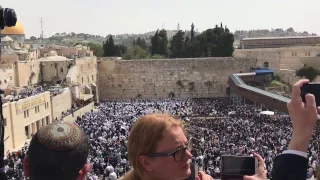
(58, 151)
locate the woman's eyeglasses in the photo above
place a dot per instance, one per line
(177, 154)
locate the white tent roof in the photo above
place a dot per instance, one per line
(232, 113)
(267, 112)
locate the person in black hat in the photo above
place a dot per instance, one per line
(56, 152)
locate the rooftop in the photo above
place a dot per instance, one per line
(287, 37)
(55, 58)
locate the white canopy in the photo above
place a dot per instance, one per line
(232, 113)
(271, 113)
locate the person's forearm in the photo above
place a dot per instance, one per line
(300, 141)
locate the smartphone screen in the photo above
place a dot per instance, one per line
(311, 89)
(238, 165)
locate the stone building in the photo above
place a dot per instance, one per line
(74, 69)
(24, 118)
(69, 52)
(85, 74)
(279, 58)
(277, 42)
(6, 77)
(54, 68)
(283, 61)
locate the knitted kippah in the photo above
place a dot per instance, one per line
(60, 136)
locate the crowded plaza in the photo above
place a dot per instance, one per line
(215, 127)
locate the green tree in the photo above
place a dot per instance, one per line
(226, 44)
(177, 47)
(163, 43)
(155, 56)
(290, 29)
(109, 48)
(192, 32)
(159, 43)
(32, 38)
(136, 52)
(97, 49)
(155, 43)
(308, 72)
(216, 42)
(120, 50)
(141, 42)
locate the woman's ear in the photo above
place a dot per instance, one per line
(145, 162)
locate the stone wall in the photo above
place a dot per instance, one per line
(55, 70)
(9, 58)
(311, 61)
(61, 103)
(86, 70)
(288, 76)
(6, 77)
(28, 73)
(293, 63)
(80, 112)
(8, 141)
(264, 59)
(199, 77)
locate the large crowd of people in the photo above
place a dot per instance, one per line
(212, 130)
(29, 91)
(25, 93)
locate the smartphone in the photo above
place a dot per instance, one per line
(311, 88)
(194, 171)
(238, 165)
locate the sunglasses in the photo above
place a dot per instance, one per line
(177, 154)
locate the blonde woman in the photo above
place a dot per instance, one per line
(158, 150)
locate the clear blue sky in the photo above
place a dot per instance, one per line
(104, 17)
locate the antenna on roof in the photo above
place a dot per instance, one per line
(42, 34)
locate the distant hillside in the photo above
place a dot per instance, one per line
(70, 39)
(279, 32)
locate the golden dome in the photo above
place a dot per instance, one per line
(15, 30)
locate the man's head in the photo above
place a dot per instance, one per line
(58, 151)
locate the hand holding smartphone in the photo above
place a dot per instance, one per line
(311, 88)
(235, 167)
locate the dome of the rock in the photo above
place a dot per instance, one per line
(15, 32)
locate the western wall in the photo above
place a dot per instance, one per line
(181, 78)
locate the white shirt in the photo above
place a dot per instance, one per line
(299, 153)
(113, 176)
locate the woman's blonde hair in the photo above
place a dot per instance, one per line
(143, 137)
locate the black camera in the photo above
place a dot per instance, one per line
(7, 17)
